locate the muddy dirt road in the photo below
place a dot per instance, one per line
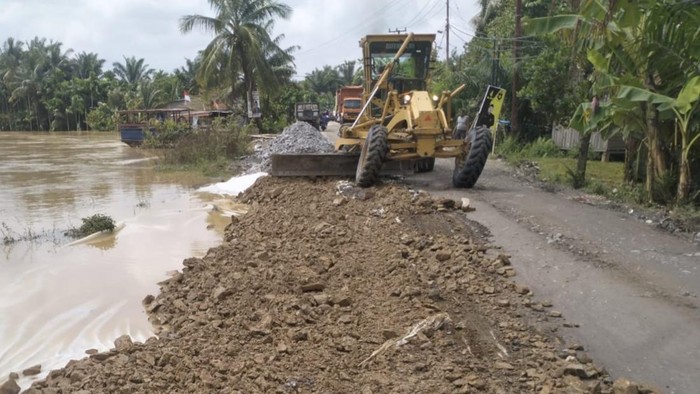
(631, 287)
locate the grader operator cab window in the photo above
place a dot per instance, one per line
(411, 68)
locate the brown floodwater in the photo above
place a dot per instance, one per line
(59, 297)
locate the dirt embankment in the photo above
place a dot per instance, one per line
(325, 288)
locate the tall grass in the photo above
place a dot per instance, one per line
(208, 150)
(514, 151)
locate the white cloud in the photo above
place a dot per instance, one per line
(327, 31)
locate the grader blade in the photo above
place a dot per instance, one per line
(328, 164)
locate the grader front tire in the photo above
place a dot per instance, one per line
(469, 167)
(372, 156)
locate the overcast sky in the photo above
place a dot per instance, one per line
(328, 31)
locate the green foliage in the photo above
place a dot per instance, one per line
(514, 150)
(509, 147)
(165, 134)
(664, 190)
(549, 86)
(210, 150)
(101, 118)
(93, 224)
(231, 56)
(542, 147)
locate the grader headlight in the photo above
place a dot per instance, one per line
(405, 99)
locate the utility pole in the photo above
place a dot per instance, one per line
(447, 34)
(495, 63)
(515, 104)
(397, 30)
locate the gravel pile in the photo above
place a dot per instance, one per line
(299, 137)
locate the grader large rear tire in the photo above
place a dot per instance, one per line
(468, 168)
(372, 156)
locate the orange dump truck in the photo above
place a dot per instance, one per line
(348, 103)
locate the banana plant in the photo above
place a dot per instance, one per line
(683, 107)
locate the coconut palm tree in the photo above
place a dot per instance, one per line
(10, 58)
(242, 42)
(86, 64)
(133, 71)
(325, 80)
(347, 71)
(187, 75)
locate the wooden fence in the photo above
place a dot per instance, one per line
(567, 139)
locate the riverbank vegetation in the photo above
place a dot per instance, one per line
(209, 150)
(618, 68)
(93, 224)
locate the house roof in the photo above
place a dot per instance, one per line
(195, 103)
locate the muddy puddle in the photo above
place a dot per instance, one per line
(59, 297)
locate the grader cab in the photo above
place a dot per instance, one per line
(400, 121)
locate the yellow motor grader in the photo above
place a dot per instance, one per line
(400, 120)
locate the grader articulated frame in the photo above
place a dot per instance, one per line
(400, 121)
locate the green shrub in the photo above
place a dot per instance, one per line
(508, 147)
(102, 118)
(165, 134)
(542, 147)
(93, 224)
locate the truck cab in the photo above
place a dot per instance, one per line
(309, 113)
(349, 103)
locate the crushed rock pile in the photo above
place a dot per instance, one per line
(341, 290)
(299, 137)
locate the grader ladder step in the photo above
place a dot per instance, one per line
(328, 164)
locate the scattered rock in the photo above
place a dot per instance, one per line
(624, 386)
(502, 365)
(443, 256)
(522, 289)
(9, 387)
(123, 343)
(148, 299)
(503, 303)
(465, 205)
(313, 287)
(220, 292)
(33, 370)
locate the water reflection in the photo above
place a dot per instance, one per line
(56, 299)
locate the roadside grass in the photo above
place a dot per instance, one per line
(602, 178)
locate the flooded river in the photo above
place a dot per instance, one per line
(58, 298)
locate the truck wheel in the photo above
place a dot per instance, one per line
(425, 164)
(468, 167)
(372, 156)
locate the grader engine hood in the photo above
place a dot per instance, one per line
(424, 114)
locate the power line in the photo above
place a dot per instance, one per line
(417, 17)
(352, 30)
(459, 15)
